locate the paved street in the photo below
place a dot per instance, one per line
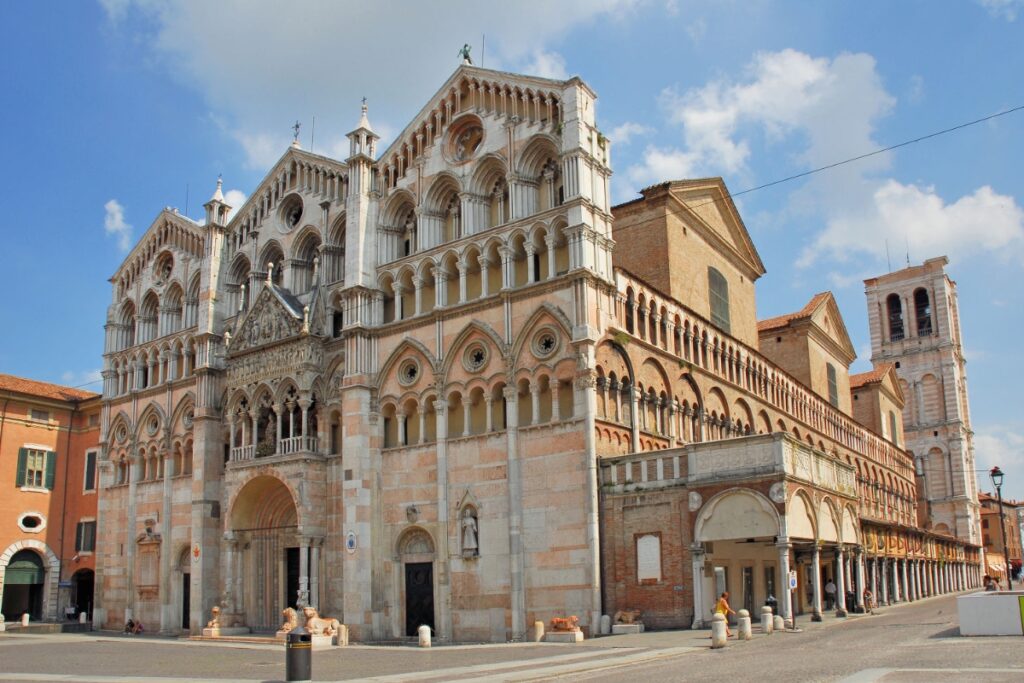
(907, 644)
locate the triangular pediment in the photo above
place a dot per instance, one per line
(829, 320)
(275, 316)
(891, 383)
(710, 209)
(169, 230)
(267, 187)
(466, 74)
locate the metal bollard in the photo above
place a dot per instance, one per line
(767, 622)
(718, 631)
(424, 633)
(743, 624)
(298, 656)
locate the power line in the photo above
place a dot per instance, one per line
(859, 157)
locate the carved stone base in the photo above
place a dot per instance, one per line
(563, 637)
(221, 631)
(324, 642)
(622, 629)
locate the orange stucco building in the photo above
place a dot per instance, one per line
(48, 451)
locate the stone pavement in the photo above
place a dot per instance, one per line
(819, 652)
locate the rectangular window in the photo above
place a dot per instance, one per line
(41, 415)
(893, 432)
(85, 537)
(833, 387)
(36, 468)
(89, 481)
(718, 293)
(94, 420)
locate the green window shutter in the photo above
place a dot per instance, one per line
(22, 464)
(51, 468)
(78, 536)
(90, 536)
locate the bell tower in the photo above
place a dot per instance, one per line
(361, 209)
(915, 325)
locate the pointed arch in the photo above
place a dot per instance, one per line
(544, 309)
(473, 327)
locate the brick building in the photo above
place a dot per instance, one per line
(49, 438)
(439, 385)
(1003, 553)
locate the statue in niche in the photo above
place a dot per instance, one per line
(470, 542)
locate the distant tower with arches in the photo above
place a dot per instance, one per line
(915, 326)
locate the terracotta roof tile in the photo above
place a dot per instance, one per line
(781, 321)
(43, 389)
(870, 377)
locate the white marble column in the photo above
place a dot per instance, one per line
(816, 583)
(700, 609)
(840, 583)
(860, 578)
(786, 600)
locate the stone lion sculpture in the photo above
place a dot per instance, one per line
(565, 624)
(627, 616)
(318, 625)
(291, 620)
(215, 621)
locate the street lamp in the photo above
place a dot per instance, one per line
(996, 475)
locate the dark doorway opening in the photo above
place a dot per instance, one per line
(291, 597)
(23, 586)
(186, 599)
(82, 588)
(419, 596)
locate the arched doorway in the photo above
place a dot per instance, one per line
(264, 565)
(416, 550)
(82, 583)
(24, 585)
(736, 533)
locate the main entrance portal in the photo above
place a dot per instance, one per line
(264, 576)
(419, 596)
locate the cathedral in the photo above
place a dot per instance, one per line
(446, 383)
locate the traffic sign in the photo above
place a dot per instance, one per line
(792, 580)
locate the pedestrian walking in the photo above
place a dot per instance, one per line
(830, 594)
(869, 601)
(722, 607)
(990, 584)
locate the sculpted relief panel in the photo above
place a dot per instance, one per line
(289, 359)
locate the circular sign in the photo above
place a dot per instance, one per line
(196, 552)
(350, 541)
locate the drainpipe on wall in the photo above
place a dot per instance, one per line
(64, 504)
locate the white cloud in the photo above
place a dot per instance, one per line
(983, 221)
(1003, 9)
(547, 65)
(624, 133)
(260, 66)
(659, 165)
(114, 224)
(915, 91)
(234, 199)
(832, 103)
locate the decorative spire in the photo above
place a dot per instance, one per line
(364, 121)
(218, 194)
(295, 134)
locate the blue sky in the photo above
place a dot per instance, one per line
(116, 109)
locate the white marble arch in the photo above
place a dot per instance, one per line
(828, 525)
(52, 572)
(799, 520)
(850, 535)
(736, 513)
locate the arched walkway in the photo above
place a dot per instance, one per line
(735, 533)
(29, 572)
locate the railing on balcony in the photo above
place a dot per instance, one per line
(297, 444)
(241, 453)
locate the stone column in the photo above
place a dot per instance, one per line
(884, 563)
(314, 573)
(535, 402)
(860, 578)
(700, 609)
(531, 272)
(278, 408)
(555, 409)
(875, 584)
(463, 267)
(484, 267)
(489, 417)
(467, 416)
(400, 423)
(786, 601)
(422, 411)
(912, 585)
(515, 518)
(634, 423)
(303, 598)
(417, 283)
(399, 289)
(897, 589)
(840, 583)
(816, 583)
(304, 404)
(551, 243)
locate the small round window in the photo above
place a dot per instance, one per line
(32, 522)
(187, 419)
(121, 434)
(545, 343)
(409, 372)
(476, 357)
(152, 424)
(291, 212)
